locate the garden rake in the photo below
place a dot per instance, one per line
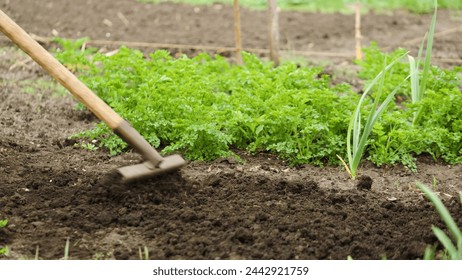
(154, 164)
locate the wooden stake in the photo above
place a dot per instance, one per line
(216, 49)
(274, 31)
(221, 50)
(237, 32)
(359, 52)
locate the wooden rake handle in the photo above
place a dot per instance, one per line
(59, 72)
(65, 77)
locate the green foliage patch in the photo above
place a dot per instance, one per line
(396, 139)
(204, 107)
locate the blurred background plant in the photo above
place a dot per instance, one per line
(330, 6)
(453, 244)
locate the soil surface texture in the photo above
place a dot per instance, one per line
(52, 191)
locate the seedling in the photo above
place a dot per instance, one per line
(435, 183)
(454, 250)
(357, 136)
(66, 250)
(144, 255)
(37, 253)
(88, 146)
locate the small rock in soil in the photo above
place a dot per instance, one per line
(213, 180)
(364, 183)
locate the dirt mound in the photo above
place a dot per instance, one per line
(262, 209)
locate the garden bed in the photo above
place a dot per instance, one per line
(264, 208)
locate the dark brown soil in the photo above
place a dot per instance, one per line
(52, 191)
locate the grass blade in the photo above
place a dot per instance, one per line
(419, 54)
(414, 73)
(428, 50)
(430, 253)
(146, 253)
(66, 250)
(446, 241)
(414, 65)
(443, 212)
(37, 251)
(426, 67)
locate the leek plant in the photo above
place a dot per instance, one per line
(454, 251)
(357, 137)
(419, 84)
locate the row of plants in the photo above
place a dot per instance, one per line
(204, 107)
(418, 6)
